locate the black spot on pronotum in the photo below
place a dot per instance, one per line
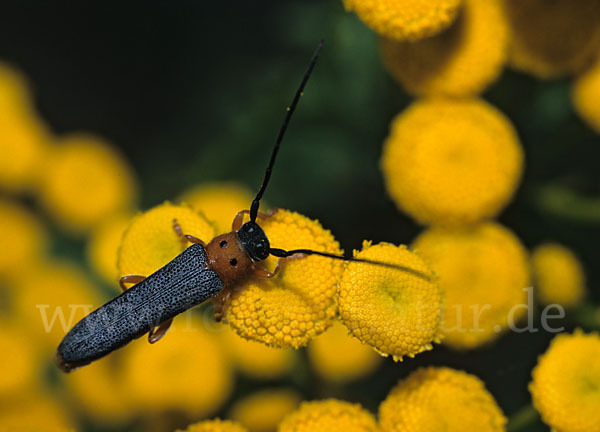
(233, 261)
(223, 243)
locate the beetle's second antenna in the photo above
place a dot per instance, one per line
(288, 116)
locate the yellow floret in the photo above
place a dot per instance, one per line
(34, 413)
(214, 426)
(553, 38)
(566, 383)
(255, 359)
(219, 202)
(327, 416)
(396, 312)
(440, 399)
(484, 272)
(405, 19)
(461, 61)
(187, 370)
(585, 95)
(86, 181)
(558, 275)
(150, 242)
(263, 410)
(20, 361)
(451, 162)
(300, 302)
(338, 356)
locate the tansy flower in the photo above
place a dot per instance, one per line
(85, 181)
(483, 271)
(219, 202)
(255, 359)
(460, 61)
(215, 426)
(187, 370)
(263, 410)
(585, 95)
(35, 412)
(329, 415)
(451, 162)
(338, 356)
(396, 312)
(440, 399)
(558, 275)
(150, 242)
(405, 19)
(19, 362)
(300, 302)
(566, 383)
(553, 38)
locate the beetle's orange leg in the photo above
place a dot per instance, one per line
(158, 332)
(134, 279)
(220, 302)
(263, 273)
(238, 220)
(186, 237)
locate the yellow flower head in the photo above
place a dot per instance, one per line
(35, 412)
(338, 356)
(440, 399)
(255, 359)
(553, 38)
(461, 61)
(396, 312)
(566, 383)
(187, 370)
(14, 90)
(300, 302)
(263, 410)
(405, 19)
(150, 242)
(215, 426)
(451, 162)
(23, 237)
(558, 275)
(329, 415)
(20, 362)
(219, 202)
(483, 271)
(85, 181)
(585, 95)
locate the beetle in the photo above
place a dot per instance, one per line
(201, 272)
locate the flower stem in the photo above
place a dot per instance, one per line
(522, 419)
(588, 316)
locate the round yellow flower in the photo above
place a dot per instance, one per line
(263, 410)
(566, 383)
(187, 370)
(300, 302)
(255, 359)
(219, 202)
(461, 61)
(150, 242)
(405, 20)
(558, 275)
(585, 95)
(20, 361)
(214, 426)
(396, 312)
(435, 399)
(337, 356)
(484, 272)
(553, 38)
(451, 162)
(85, 181)
(329, 415)
(36, 412)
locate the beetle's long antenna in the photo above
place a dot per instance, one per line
(284, 254)
(288, 116)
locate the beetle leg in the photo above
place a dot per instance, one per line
(263, 273)
(134, 279)
(220, 303)
(158, 332)
(186, 237)
(238, 220)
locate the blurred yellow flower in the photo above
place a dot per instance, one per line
(566, 383)
(150, 242)
(396, 312)
(484, 271)
(219, 202)
(263, 410)
(255, 359)
(440, 399)
(86, 180)
(36, 412)
(14, 90)
(451, 162)
(461, 61)
(558, 275)
(553, 38)
(327, 416)
(185, 371)
(300, 302)
(338, 356)
(405, 19)
(585, 95)
(214, 426)
(20, 363)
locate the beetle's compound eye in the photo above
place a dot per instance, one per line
(223, 243)
(233, 262)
